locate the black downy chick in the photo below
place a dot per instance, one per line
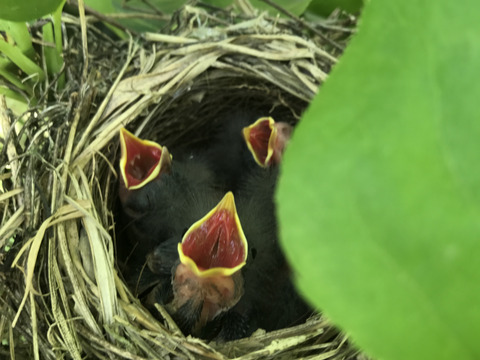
(160, 262)
(267, 139)
(270, 300)
(154, 192)
(244, 142)
(229, 156)
(206, 279)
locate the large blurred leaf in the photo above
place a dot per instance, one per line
(26, 10)
(379, 202)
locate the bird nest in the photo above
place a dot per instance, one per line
(62, 295)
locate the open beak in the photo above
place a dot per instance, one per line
(142, 160)
(215, 245)
(266, 140)
(207, 281)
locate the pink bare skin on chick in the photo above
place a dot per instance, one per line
(212, 252)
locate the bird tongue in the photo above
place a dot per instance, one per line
(266, 140)
(215, 245)
(142, 161)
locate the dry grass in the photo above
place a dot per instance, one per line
(61, 294)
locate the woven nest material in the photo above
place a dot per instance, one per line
(61, 293)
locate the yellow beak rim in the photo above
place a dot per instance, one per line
(271, 141)
(163, 162)
(227, 203)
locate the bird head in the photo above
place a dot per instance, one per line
(212, 252)
(141, 161)
(266, 140)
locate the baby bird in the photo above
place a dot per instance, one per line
(216, 264)
(229, 280)
(207, 280)
(243, 142)
(154, 192)
(266, 140)
(270, 300)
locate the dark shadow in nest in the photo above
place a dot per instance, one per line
(192, 116)
(190, 121)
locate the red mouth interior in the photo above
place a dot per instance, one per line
(258, 139)
(141, 160)
(216, 242)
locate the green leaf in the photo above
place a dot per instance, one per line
(138, 7)
(219, 3)
(379, 198)
(13, 95)
(296, 7)
(26, 10)
(22, 61)
(165, 7)
(52, 33)
(57, 29)
(6, 70)
(169, 6)
(325, 7)
(20, 35)
(18, 106)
